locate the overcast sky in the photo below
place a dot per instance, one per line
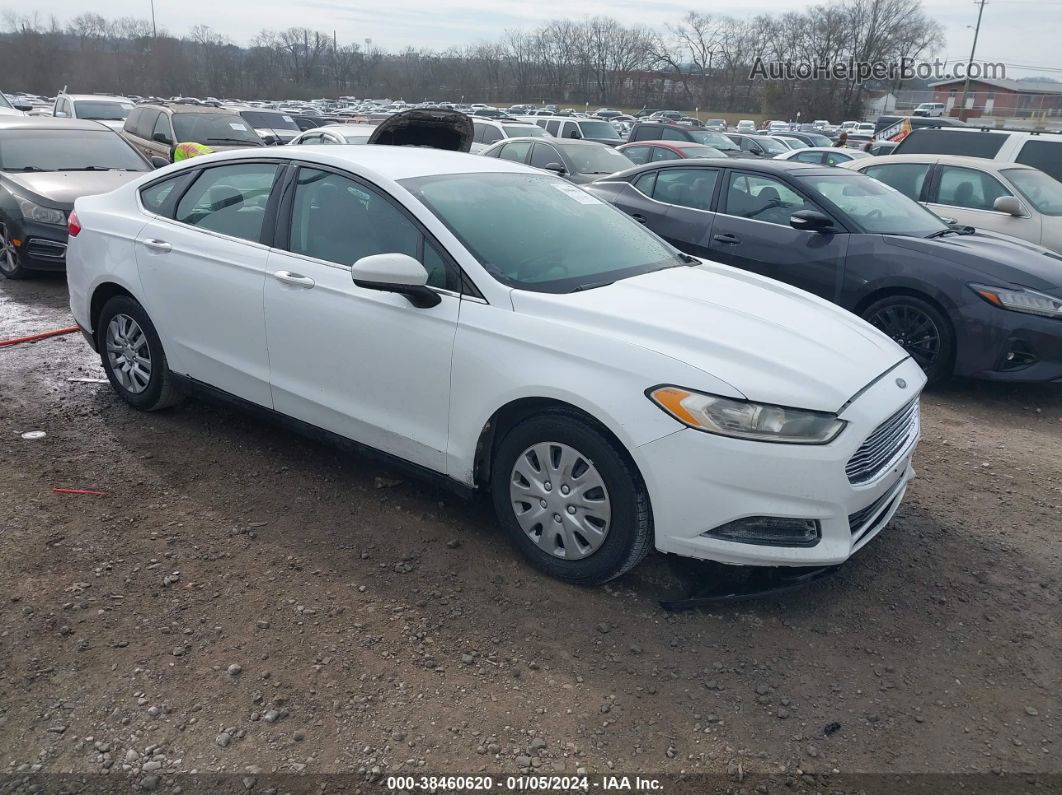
(1020, 33)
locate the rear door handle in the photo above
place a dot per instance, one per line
(727, 238)
(157, 245)
(294, 278)
(639, 218)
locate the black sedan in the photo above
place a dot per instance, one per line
(960, 301)
(45, 164)
(576, 161)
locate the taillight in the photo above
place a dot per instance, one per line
(73, 225)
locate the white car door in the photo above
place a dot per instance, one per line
(967, 195)
(365, 364)
(203, 273)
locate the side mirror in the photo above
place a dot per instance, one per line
(1009, 205)
(161, 138)
(810, 221)
(23, 107)
(395, 273)
(556, 168)
(59, 114)
(159, 162)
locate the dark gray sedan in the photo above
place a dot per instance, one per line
(45, 164)
(577, 161)
(959, 300)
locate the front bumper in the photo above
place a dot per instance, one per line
(698, 482)
(42, 247)
(993, 343)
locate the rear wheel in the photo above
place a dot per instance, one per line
(10, 266)
(133, 357)
(920, 328)
(569, 500)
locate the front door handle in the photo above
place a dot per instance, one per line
(639, 218)
(294, 278)
(158, 245)
(727, 238)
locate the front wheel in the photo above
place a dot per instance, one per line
(133, 357)
(569, 500)
(10, 266)
(919, 328)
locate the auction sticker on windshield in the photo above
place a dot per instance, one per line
(578, 194)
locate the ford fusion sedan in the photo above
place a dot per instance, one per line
(960, 301)
(506, 332)
(45, 164)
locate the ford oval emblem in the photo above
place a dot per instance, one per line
(901, 383)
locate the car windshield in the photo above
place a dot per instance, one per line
(701, 151)
(271, 121)
(524, 131)
(3, 101)
(598, 129)
(818, 140)
(102, 110)
(874, 206)
(595, 159)
(500, 217)
(223, 129)
(67, 150)
(774, 147)
(1043, 192)
(713, 139)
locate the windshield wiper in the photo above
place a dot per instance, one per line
(235, 141)
(682, 255)
(591, 286)
(91, 168)
(962, 230)
(27, 169)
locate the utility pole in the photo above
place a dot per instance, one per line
(154, 30)
(969, 64)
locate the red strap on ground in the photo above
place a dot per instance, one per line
(90, 493)
(35, 337)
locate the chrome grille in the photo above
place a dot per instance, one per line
(883, 445)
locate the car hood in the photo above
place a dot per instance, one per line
(114, 124)
(997, 258)
(60, 188)
(771, 342)
(439, 129)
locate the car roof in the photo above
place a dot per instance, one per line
(393, 162)
(51, 123)
(770, 166)
(102, 97)
(188, 107)
(980, 163)
(667, 144)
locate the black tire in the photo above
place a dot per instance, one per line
(161, 391)
(629, 536)
(10, 262)
(920, 328)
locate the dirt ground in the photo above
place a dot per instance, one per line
(248, 601)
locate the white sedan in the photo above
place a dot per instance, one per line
(505, 331)
(823, 155)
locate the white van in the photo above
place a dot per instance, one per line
(929, 109)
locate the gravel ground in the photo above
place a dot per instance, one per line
(247, 601)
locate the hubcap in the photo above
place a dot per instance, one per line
(560, 500)
(913, 329)
(128, 353)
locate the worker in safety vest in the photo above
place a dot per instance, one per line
(186, 150)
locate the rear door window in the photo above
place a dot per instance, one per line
(661, 153)
(230, 200)
(639, 155)
(671, 134)
(553, 126)
(686, 187)
(491, 134)
(808, 157)
(1044, 155)
(907, 178)
(952, 142)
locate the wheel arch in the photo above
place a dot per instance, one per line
(515, 411)
(887, 291)
(101, 294)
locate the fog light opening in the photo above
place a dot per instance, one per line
(772, 531)
(1018, 355)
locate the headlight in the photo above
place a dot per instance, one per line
(743, 419)
(1020, 300)
(42, 215)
